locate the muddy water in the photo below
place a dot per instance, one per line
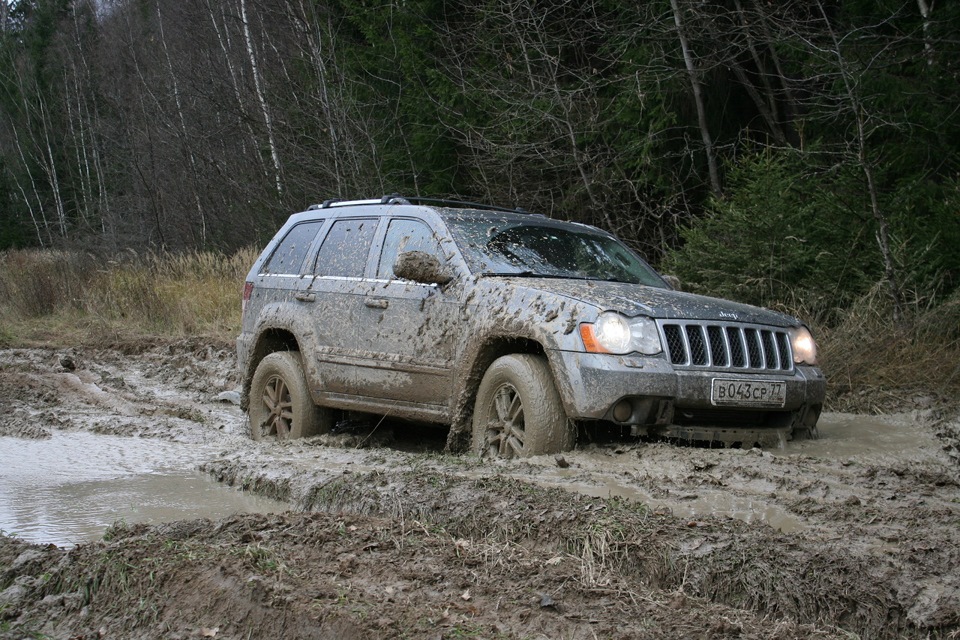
(69, 488)
(843, 437)
(865, 438)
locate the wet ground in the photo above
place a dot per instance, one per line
(70, 487)
(855, 533)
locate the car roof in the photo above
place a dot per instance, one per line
(443, 208)
(414, 200)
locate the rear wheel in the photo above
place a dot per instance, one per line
(280, 404)
(518, 411)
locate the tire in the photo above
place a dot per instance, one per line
(280, 404)
(805, 423)
(518, 412)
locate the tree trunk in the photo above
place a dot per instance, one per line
(257, 84)
(926, 10)
(698, 99)
(883, 224)
(185, 137)
(242, 119)
(768, 108)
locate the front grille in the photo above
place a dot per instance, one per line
(726, 346)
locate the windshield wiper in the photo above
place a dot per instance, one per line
(612, 279)
(530, 274)
(555, 276)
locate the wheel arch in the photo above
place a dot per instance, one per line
(267, 342)
(469, 377)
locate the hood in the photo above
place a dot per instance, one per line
(635, 300)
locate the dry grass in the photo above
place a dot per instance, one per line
(874, 365)
(58, 297)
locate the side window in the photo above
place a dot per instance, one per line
(346, 247)
(405, 235)
(289, 254)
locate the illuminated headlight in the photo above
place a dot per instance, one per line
(614, 333)
(804, 346)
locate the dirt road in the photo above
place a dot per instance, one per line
(853, 535)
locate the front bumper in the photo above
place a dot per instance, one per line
(591, 385)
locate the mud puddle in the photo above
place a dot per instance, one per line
(71, 487)
(684, 475)
(873, 438)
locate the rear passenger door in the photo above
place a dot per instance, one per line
(334, 293)
(408, 329)
(280, 275)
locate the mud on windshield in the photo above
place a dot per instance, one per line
(544, 248)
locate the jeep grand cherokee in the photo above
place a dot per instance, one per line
(510, 327)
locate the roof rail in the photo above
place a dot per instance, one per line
(339, 202)
(461, 203)
(396, 198)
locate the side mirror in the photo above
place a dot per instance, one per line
(673, 281)
(421, 267)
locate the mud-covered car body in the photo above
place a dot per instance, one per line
(476, 286)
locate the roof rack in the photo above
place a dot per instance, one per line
(396, 198)
(338, 202)
(461, 203)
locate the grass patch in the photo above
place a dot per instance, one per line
(58, 297)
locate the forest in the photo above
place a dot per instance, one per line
(801, 153)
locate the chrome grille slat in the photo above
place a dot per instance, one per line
(726, 346)
(769, 352)
(698, 352)
(718, 346)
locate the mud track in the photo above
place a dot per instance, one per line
(854, 535)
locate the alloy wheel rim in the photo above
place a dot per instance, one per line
(505, 431)
(279, 406)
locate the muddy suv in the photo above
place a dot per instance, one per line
(512, 328)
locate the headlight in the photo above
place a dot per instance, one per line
(614, 333)
(804, 346)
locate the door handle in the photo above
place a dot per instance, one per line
(376, 303)
(304, 296)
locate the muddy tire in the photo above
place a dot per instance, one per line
(280, 404)
(518, 411)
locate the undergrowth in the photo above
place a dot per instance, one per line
(67, 298)
(876, 365)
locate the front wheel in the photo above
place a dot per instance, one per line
(518, 411)
(280, 402)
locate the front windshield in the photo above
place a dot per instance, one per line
(541, 247)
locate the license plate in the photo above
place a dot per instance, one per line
(756, 393)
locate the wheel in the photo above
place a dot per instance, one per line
(280, 402)
(805, 423)
(518, 411)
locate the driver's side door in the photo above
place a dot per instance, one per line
(409, 329)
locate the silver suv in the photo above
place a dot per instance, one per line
(514, 329)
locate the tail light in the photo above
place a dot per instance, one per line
(247, 292)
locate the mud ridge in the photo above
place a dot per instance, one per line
(320, 575)
(625, 544)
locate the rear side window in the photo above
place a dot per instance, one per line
(405, 235)
(346, 247)
(290, 253)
